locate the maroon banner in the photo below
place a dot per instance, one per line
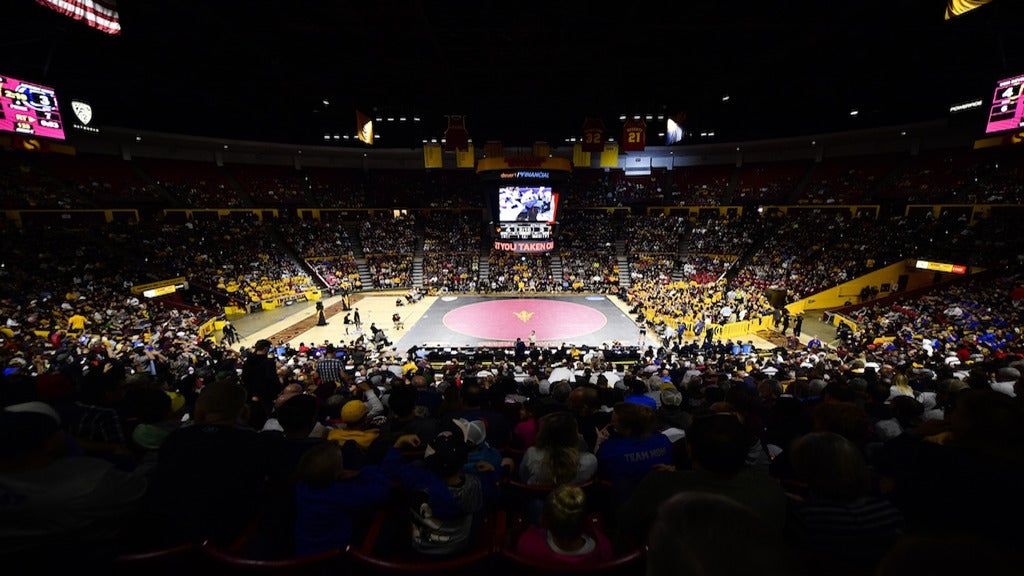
(456, 136)
(634, 135)
(593, 135)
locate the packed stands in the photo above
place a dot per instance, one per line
(327, 248)
(389, 243)
(451, 247)
(511, 272)
(587, 250)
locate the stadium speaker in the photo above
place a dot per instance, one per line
(776, 297)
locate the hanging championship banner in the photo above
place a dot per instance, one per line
(465, 158)
(580, 157)
(610, 156)
(432, 156)
(593, 135)
(634, 135)
(456, 136)
(364, 128)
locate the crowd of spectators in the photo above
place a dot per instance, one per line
(389, 271)
(388, 234)
(586, 246)
(975, 319)
(722, 235)
(511, 272)
(810, 251)
(389, 242)
(653, 233)
(451, 272)
(451, 248)
(693, 307)
(819, 460)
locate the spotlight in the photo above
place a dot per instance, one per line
(725, 98)
(854, 112)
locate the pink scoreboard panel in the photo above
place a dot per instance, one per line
(29, 109)
(1007, 111)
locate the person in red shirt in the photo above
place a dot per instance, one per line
(567, 538)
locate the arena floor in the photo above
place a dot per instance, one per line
(498, 321)
(458, 321)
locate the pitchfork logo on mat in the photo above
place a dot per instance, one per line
(524, 316)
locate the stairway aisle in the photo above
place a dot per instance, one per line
(625, 281)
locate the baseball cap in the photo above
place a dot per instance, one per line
(671, 397)
(353, 411)
(446, 453)
(34, 407)
(642, 401)
(475, 431)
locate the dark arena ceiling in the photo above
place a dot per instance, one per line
(523, 71)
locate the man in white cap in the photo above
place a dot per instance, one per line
(55, 505)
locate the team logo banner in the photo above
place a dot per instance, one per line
(83, 111)
(593, 135)
(634, 135)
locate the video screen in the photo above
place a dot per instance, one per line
(526, 204)
(30, 109)
(1007, 111)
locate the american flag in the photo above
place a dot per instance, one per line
(99, 14)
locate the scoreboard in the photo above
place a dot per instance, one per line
(523, 230)
(1007, 109)
(29, 109)
(522, 198)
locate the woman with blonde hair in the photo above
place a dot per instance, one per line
(566, 537)
(556, 458)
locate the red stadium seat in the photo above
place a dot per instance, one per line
(229, 563)
(169, 560)
(365, 557)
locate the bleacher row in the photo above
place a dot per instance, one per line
(991, 176)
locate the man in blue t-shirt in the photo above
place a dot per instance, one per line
(627, 452)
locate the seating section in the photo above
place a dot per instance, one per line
(511, 272)
(586, 246)
(135, 440)
(193, 184)
(768, 183)
(389, 243)
(451, 242)
(848, 180)
(326, 247)
(701, 185)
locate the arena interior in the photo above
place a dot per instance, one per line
(348, 288)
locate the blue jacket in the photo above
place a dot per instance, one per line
(323, 516)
